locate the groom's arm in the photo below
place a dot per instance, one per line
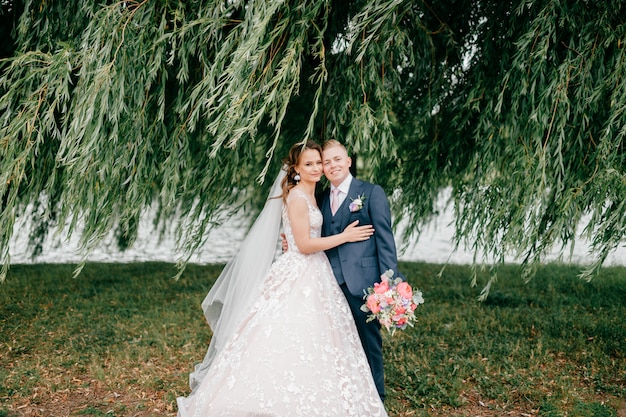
(380, 215)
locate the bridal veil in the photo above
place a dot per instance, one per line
(239, 284)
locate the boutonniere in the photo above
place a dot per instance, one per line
(357, 203)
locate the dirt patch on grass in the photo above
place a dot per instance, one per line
(621, 408)
(91, 397)
(477, 406)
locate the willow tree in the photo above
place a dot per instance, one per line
(108, 108)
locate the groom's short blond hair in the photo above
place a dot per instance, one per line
(331, 143)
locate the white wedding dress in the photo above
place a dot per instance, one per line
(297, 352)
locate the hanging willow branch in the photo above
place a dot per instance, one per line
(519, 107)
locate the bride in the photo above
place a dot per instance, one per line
(284, 342)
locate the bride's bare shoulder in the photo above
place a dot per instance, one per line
(296, 192)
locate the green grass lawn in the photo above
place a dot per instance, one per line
(121, 339)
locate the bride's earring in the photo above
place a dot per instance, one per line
(296, 178)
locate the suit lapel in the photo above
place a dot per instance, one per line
(326, 214)
(356, 188)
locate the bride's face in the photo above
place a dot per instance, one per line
(310, 166)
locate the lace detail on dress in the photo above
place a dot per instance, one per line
(315, 218)
(297, 353)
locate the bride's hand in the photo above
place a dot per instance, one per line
(355, 233)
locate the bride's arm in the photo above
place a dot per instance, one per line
(298, 212)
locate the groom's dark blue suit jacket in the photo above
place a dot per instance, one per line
(360, 264)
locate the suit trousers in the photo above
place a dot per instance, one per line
(370, 338)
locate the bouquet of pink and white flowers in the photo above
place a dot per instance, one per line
(392, 302)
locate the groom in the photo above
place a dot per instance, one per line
(358, 265)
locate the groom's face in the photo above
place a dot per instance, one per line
(336, 164)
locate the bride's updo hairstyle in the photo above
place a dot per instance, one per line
(290, 162)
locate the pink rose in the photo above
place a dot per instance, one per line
(401, 322)
(381, 288)
(405, 290)
(400, 310)
(372, 304)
